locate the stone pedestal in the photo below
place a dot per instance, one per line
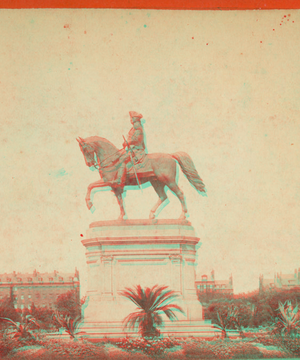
(127, 253)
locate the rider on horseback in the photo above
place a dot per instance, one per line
(136, 153)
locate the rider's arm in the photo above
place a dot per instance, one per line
(136, 138)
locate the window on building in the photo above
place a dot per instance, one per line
(40, 279)
(29, 306)
(29, 296)
(16, 306)
(22, 297)
(22, 306)
(19, 280)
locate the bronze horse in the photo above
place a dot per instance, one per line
(103, 155)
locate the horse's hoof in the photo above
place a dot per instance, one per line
(92, 210)
(89, 204)
(152, 216)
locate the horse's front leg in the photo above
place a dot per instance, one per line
(121, 204)
(99, 183)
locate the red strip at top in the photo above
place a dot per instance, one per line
(153, 4)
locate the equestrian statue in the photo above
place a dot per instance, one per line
(132, 166)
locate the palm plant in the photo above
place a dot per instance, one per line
(22, 329)
(69, 324)
(288, 321)
(222, 325)
(151, 303)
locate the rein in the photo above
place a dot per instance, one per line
(97, 166)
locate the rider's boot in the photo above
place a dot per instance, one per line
(119, 181)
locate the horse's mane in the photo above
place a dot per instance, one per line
(91, 140)
(96, 138)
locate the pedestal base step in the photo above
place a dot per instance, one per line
(204, 329)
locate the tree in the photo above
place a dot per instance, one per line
(267, 304)
(43, 315)
(229, 314)
(69, 304)
(151, 303)
(7, 310)
(222, 314)
(206, 297)
(241, 315)
(254, 308)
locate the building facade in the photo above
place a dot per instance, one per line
(211, 285)
(280, 281)
(41, 289)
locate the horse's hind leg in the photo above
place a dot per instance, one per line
(159, 187)
(175, 188)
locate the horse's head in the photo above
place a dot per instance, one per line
(88, 152)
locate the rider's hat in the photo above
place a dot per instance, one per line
(135, 114)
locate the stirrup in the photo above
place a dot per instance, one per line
(115, 183)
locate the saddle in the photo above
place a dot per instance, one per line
(142, 166)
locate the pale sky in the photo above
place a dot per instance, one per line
(224, 86)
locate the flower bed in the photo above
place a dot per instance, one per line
(56, 349)
(261, 346)
(220, 349)
(149, 347)
(74, 349)
(292, 345)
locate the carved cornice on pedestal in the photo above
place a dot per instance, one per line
(141, 222)
(129, 239)
(175, 258)
(107, 258)
(92, 261)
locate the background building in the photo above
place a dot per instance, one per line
(280, 281)
(206, 284)
(42, 289)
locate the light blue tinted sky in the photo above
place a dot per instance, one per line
(222, 86)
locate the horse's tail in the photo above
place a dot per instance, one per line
(189, 170)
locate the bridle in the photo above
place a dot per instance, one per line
(98, 167)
